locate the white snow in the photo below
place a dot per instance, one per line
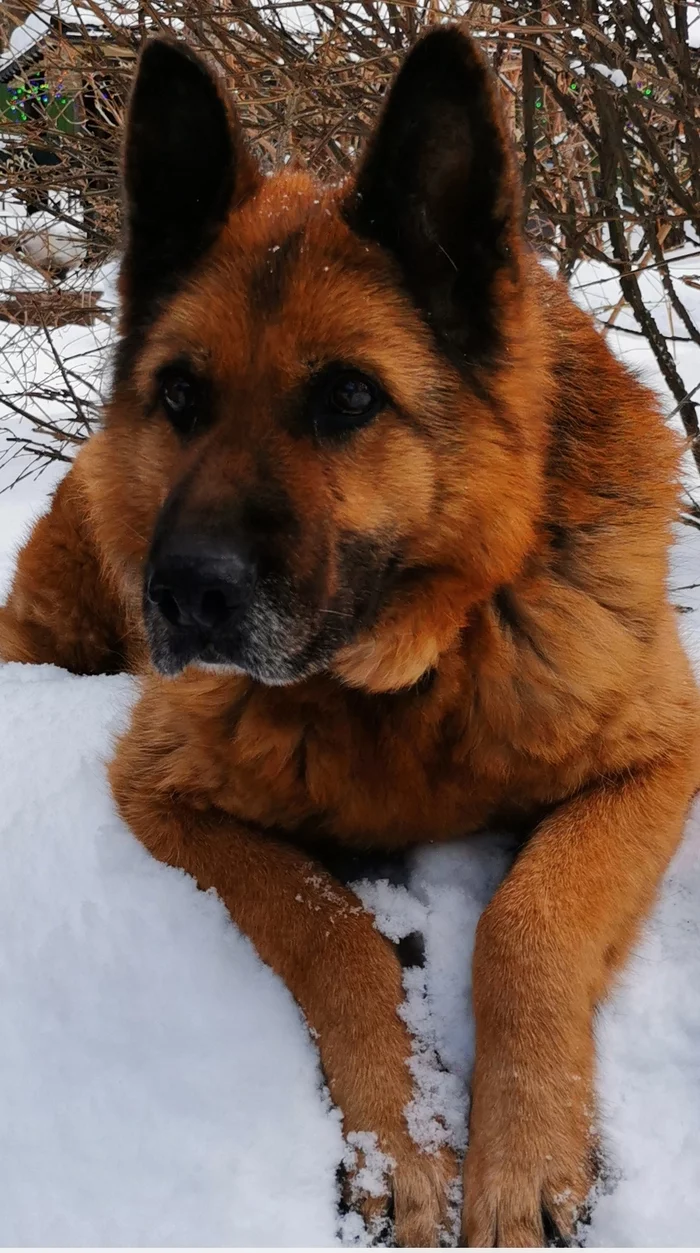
(25, 37)
(47, 241)
(156, 1080)
(617, 77)
(157, 1083)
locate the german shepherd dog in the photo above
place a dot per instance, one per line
(384, 528)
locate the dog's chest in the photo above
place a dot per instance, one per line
(512, 722)
(385, 770)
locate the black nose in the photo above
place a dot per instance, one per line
(197, 587)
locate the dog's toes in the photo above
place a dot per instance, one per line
(406, 1196)
(558, 1229)
(424, 1189)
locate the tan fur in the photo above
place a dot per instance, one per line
(541, 515)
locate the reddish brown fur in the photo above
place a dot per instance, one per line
(539, 510)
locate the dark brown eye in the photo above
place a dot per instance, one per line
(353, 395)
(343, 400)
(181, 397)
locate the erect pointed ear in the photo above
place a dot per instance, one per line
(438, 189)
(185, 165)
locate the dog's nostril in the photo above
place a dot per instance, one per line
(163, 598)
(168, 606)
(214, 607)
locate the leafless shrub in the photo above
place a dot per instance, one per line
(604, 100)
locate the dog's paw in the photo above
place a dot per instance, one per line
(529, 1193)
(406, 1196)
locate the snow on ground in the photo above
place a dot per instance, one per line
(156, 1080)
(157, 1084)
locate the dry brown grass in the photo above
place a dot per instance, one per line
(612, 172)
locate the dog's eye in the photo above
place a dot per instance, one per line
(353, 395)
(180, 397)
(344, 400)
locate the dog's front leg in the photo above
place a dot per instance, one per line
(318, 938)
(546, 949)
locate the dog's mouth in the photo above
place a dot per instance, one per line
(274, 637)
(258, 639)
(172, 651)
(213, 601)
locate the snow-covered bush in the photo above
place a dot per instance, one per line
(604, 102)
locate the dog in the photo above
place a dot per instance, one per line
(383, 526)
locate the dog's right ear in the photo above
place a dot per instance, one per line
(185, 165)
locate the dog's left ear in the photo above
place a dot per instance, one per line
(438, 189)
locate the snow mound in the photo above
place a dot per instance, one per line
(157, 1083)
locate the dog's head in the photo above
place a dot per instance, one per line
(324, 432)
